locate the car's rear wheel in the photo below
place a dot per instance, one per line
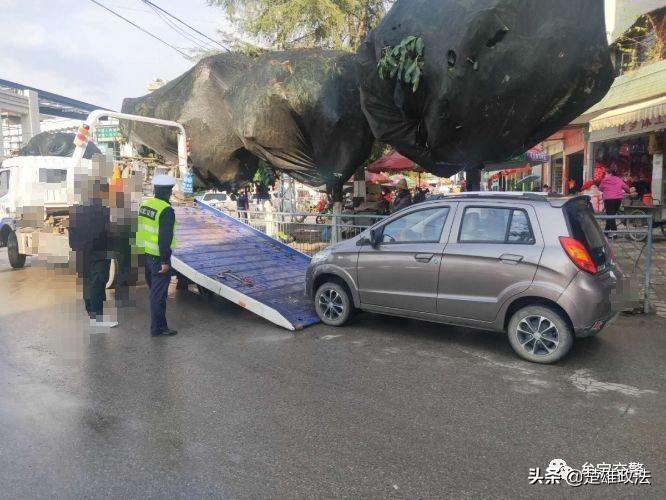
(540, 334)
(333, 304)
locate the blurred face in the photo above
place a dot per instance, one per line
(100, 192)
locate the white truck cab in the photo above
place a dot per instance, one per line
(34, 207)
(36, 193)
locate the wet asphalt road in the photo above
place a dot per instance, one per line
(236, 408)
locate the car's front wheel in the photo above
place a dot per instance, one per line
(540, 334)
(333, 304)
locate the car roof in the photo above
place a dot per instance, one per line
(553, 200)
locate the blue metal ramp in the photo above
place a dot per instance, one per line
(241, 264)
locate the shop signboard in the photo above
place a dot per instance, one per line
(633, 127)
(537, 156)
(639, 126)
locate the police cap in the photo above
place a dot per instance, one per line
(164, 181)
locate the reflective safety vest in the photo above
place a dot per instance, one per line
(147, 234)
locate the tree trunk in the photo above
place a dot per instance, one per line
(473, 177)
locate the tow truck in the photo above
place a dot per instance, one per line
(216, 252)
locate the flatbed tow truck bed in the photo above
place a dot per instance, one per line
(237, 262)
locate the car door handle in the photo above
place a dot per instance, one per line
(423, 257)
(509, 258)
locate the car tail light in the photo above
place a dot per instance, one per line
(578, 254)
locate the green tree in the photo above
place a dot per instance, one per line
(284, 24)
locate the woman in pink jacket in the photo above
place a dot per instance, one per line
(612, 189)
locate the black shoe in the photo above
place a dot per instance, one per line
(165, 333)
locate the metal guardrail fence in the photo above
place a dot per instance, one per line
(308, 232)
(632, 242)
(633, 246)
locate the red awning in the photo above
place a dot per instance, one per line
(393, 162)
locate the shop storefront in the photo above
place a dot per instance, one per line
(553, 169)
(522, 173)
(573, 164)
(631, 140)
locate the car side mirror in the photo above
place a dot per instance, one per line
(375, 237)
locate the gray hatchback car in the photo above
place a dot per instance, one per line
(537, 268)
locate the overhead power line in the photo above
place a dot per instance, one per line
(148, 2)
(198, 42)
(140, 28)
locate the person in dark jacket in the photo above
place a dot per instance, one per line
(420, 195)
(242, 204)
(403, 198)
(89, 238)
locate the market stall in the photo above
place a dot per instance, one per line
(631, 140)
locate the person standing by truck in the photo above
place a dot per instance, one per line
(155, 237)
(120, 237)
(89, 239)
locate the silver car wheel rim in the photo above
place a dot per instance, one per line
(538, 335)
(331, 304)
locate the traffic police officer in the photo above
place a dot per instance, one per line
(155, 236)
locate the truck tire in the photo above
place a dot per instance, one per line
(16, 259)
(113, 273)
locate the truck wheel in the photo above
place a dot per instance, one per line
(113, 273)
(16, 259)
(540, 334)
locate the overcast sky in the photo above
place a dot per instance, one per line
(77, 49)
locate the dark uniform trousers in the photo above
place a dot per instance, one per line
(159, 288)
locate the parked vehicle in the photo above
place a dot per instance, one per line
(538, 268)
(218, 199)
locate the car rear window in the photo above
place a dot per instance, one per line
(585, 228)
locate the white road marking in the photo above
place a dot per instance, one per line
(330, 337)
(583, 381)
